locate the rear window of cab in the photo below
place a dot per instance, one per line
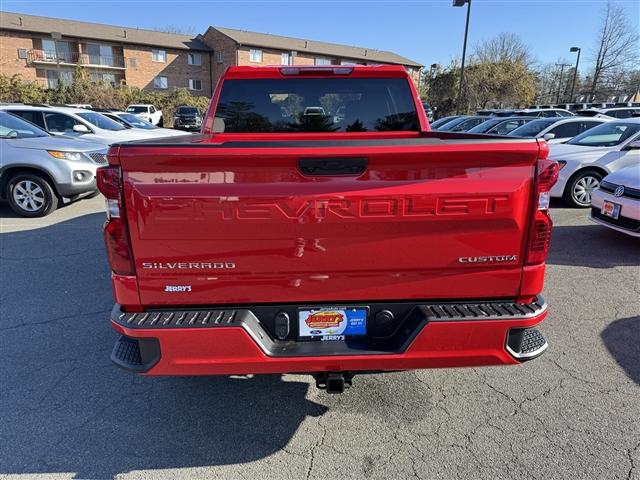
(316, 105)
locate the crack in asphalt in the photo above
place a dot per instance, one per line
(318, 444)
(632, 461)
(53, 320)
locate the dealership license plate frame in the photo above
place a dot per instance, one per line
(611, 209)
(325, 335)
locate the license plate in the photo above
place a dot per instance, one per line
(332, 323)
(610, 209)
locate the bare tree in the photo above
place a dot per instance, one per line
(506, 47)
(616, 47)
(549, 82)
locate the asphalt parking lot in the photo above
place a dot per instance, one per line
(66, 412)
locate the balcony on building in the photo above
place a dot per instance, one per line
(67, 53)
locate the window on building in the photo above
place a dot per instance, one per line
(285, 58)
(100, 54)
(64, 77)
(195, 84)
(159, 55)
(161, 82)
(57, 50)
(220, 57)
(49, 49)
(194, 59)
(322, 61)
(104, 77)
(255, 56)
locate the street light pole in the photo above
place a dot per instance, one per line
(575, 72)
(432, 70)
(561, 65)
(460, 3)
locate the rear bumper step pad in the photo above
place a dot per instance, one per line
(137, 355)
(526, 343)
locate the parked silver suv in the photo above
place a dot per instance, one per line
(37, 169)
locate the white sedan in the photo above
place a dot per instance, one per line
(586, 159)
(616, 203)
(557, 130)
(129, 120)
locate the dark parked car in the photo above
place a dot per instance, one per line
(187, 118)
(496, 112)
(462, 124)
(442, 121)
(500, 125)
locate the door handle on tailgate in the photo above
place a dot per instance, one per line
(332, 166)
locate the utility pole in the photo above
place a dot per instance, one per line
(575, 72)
(460, 3)
(432, 70)
(561, 65)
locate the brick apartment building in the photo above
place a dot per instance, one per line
(47, 50)
(239, 47)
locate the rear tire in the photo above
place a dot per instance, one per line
(160, 122)
(577, 192)
(30, 195)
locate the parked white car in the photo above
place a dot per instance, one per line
(555, 130)
(147, 112)
(615, 112)
(129, 120)
(616, 203)
(586, 159)
(76, 122)
(543, 112)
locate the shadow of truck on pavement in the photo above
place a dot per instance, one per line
(622, 339)
(67, 409)
(592, 246)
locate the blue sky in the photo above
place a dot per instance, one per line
(428, 31)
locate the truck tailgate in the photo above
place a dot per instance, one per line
(304, 221)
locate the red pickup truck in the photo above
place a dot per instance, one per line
(316, 225)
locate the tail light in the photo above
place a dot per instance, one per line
(116, 236)
(540, 233)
